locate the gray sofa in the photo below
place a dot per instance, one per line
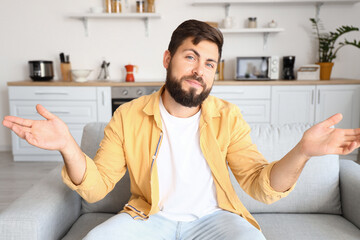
(323, 205)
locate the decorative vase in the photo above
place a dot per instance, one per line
(325, 70)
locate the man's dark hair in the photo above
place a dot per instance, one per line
(199, 31)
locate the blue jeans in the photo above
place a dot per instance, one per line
(221, 224)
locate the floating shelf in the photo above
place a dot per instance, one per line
(144, 16)
(251, 30)
(267, 31)
(207, 2)
(228, 3)
(264, 31)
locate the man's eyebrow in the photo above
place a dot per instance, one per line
(198, 54)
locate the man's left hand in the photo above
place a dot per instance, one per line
(322, 139)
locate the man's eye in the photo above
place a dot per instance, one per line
(190, 57)
(210, 65)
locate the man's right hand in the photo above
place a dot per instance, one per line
(51, 134)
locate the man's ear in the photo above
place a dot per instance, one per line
(166, 59)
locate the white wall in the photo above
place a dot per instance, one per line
(40, 29)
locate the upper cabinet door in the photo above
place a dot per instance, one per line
(293, 104)
(343, 99)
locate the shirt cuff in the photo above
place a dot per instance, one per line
(87, 182)
(265, 175)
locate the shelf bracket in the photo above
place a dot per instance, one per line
(86, 26)
(266, 36)
(146, 22)
(317, 11)
(227, 9)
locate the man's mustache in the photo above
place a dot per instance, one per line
(194, 77)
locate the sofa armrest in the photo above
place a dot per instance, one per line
(350, 190)
(46, 211)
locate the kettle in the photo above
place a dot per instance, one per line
(130, 72)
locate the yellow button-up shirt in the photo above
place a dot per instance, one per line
(132, 140)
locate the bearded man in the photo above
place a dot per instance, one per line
(177, 145)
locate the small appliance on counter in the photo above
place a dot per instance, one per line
(257, 68)
(309, 72)
(288, 67)
(41, 70)
(130, 72)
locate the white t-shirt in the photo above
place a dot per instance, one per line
(186, 186)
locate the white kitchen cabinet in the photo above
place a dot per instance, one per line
(76, 106)
(315, 103)
(343, 99)
(293, 104)
(253, 101)
(103, 99)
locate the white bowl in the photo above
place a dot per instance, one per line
(80, 75)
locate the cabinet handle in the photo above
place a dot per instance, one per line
(119, 102)
(103, 98)
(60, 112)
(312, 97)
(51, 93)
(234, 92)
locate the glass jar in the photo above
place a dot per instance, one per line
(116, 6)
(108, 4)
(140, 6)
(252, 22)
(151, 6)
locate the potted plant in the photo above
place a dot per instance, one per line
(328, 47)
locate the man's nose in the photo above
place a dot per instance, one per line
(199, 70)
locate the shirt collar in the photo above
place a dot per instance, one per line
(209, 109)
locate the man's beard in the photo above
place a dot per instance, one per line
(187, 99)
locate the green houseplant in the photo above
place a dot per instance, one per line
(329, 47)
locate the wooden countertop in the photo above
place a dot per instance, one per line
(219, 83)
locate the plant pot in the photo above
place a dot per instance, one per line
(325, 70)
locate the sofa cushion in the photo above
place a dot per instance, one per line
(113, 202)
(85, 223)
(306, 227)
(317, 189)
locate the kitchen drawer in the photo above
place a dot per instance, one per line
(254, 111)
(241, 92)
(24, 149)
(69, 112)
(52, 93)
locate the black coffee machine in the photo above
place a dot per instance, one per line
(288, 67)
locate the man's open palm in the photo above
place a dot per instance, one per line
(321, 139)
(50, 134)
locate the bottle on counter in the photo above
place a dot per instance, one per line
(221, 69)
(217, 76)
